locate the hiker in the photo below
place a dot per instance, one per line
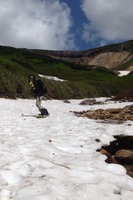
(39, 89)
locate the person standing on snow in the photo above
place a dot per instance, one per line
(39, 89)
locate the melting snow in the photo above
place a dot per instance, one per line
(124, 73)
(55, 158)
(51, 78)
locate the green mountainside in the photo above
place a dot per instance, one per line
(114, 56)
(81, 81)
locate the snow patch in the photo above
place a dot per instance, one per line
(51, 78)
(55, 157)
(123, 73)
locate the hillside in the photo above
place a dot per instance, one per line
(115, 57)
(80, 81)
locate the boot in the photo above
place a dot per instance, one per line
(44, 111)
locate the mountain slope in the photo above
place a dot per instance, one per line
(81, 81)
(116, 56)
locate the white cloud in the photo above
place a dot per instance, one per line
(42, 24)
(109, 20)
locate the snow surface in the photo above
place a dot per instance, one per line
(55, 158)
(123, 73)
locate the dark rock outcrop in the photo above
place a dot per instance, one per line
(120, 151)
(90, 102)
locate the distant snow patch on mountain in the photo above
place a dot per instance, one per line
(51, 77)
(123, 73)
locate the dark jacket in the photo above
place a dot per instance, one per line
(38, 88)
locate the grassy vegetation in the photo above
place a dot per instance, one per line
(126, 65)
(81, 81)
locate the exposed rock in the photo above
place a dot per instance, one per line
(66, 101)
(130, 173)
(110, 159)
(130, 68)
(125, 99)
(120, 151)
(110, 56)
(90, 102)
(110, 59)
(119, 114)
(124, 96)
(124, 156)
(129, 169)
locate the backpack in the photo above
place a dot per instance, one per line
(42, 86)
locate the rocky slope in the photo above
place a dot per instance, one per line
(111, 60)
(116, 56)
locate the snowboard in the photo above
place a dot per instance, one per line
(36, 116)
(41, 116)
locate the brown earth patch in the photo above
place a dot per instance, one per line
(111, 114)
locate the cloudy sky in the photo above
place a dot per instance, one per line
(65, 24)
